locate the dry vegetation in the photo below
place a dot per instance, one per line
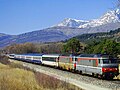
(15, 77)
(53, 84)
(34, 48)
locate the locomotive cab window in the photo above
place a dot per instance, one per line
(114, 60)
(107, 61)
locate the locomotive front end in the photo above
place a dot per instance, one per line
(110, 68)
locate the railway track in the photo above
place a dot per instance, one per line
(83, 81)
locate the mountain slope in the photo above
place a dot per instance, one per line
(87, 38)
(35, 36)
(68, 28)
(4, 36)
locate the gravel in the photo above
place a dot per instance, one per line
(83, 81)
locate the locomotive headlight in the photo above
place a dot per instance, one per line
(116, 69)
(105, 69)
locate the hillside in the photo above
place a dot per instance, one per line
(114, 35)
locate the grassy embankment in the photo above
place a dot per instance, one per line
(16, 77)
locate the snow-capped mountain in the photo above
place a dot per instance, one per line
(68, 22)
(111, 16)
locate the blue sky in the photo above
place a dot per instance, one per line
(20, 16)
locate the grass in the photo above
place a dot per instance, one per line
(13, 76)
(17, 79)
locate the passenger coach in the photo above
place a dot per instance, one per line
(33, 58)
(50, 59)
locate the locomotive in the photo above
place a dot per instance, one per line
(99, 65)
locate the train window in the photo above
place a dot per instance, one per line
(36, 58)
(22, 56)
(12, 55)
(28, 57)
(52, 59)
(105, 61)
(17, 56)
(114, 60)
(65, 59)
(89, 60)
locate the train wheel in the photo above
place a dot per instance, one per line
(80, 72)
(72, 70)
(61, 68)
(93, 74)
(100, 76)
(96, 75)
(69, 69)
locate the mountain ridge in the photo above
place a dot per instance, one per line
(65, 30)
(111, 16)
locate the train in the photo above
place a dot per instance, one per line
(98, 65)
